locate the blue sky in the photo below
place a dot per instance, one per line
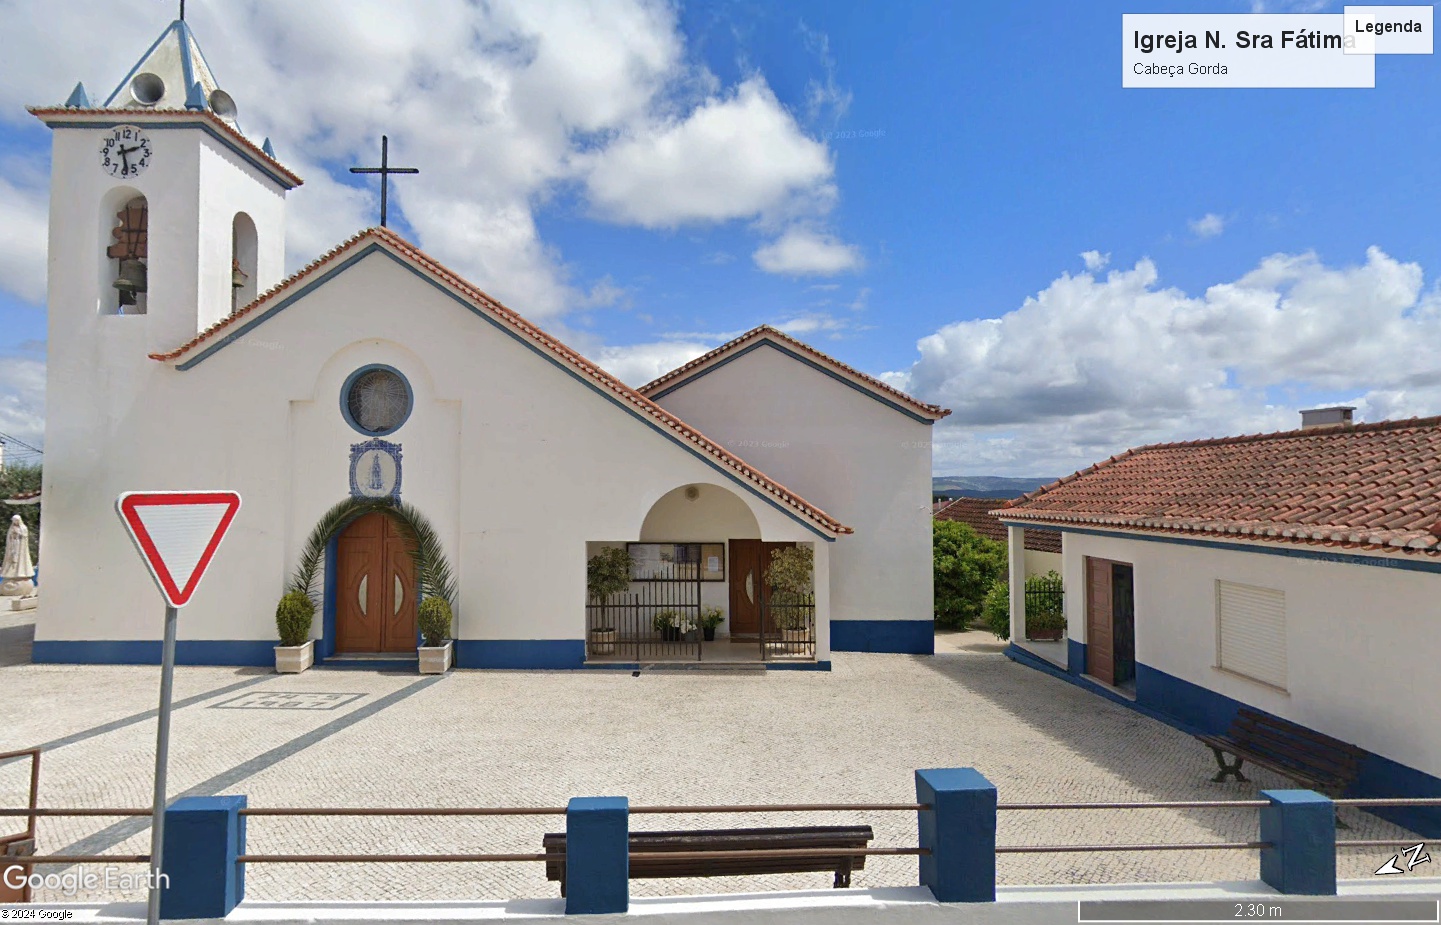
(910, 187)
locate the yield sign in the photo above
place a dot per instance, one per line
(177, 533)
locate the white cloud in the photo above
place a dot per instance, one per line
(803, 252)
(23, 238)
(638, 364)
(1095, 260)
(22, 399)
(501, 105)
(736, 156)
(1092, 365)
(1207, 226)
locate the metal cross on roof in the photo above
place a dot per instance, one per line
(182, 10)
(385, 170)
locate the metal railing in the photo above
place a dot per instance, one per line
(1169, 846)
(659, 619)
(788, 628)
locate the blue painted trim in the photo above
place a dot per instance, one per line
(187, 66)
(1409, 565)
(136, 68)
(247, 326)
(78, 98)
(195, 98)
(894, 406)
(1196, 710)
(345, 405)
(914, 637)
(1075, 657)
(520, 653)
(249, 652)
(202, 125)
(326, 647)
(203, 838)
(798, 666)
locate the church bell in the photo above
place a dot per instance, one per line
(131, 279)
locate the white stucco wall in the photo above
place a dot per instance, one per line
(516, 463)
(1362, 645)
(863, 462)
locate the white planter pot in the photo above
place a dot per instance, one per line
(602, 642)
(435, 659)
(294, 659)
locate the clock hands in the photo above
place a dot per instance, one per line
(125, 158)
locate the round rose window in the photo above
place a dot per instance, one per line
(376, 400)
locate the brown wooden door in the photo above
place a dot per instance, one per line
(1100, 640)
(745, 586)
(375, 610)
(749, 591)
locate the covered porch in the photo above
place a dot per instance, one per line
(703, 582)
(1038, 611)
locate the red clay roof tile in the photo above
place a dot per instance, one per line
(977, 513)
(1349, 485)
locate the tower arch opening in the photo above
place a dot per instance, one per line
(244, 251)
(125, 254)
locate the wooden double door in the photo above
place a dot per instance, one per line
(1110, 621)
(375, 588)
(748, 588)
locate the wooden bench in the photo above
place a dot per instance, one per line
(1316, 761)
(815, 837)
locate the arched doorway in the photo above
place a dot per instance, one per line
(375, 587)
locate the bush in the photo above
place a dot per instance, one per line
(293, 616)
(607, 573)
(996, 608)
(966, 565)
(434, 620)
(1048, 614)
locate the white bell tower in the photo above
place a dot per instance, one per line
(164, 217)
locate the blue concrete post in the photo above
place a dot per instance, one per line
(960, 831)
(1301, 827)
(201, 877)
(597, 855)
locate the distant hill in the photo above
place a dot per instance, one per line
(984, 486)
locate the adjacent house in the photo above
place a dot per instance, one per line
(1042, 548)
(1298, 573)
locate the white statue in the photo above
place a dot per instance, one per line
(17, 571)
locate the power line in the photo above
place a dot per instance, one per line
(18, 442)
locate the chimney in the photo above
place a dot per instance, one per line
(1323, 417)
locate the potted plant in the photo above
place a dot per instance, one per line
(434, 619)
(791, 579)
(293, 616)
(607, 573)
(710, 618)
(666, 622)
(1045, 607)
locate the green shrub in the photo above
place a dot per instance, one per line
(1047, 614)
(966, 565)
(996, 608)
(434, 619)
(607, 573)
(293, 616)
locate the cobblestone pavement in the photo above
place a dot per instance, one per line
(511, 738)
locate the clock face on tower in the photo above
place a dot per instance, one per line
(125, 152)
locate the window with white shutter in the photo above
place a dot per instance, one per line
(1251, 632)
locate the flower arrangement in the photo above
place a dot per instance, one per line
(675, 620)
(711, 617)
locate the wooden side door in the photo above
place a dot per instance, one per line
(398, 614)
(1100, 638)
(745, 588)
(358, 590)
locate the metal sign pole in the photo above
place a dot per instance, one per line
(162, 750)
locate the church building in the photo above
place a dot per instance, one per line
(181, 358)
